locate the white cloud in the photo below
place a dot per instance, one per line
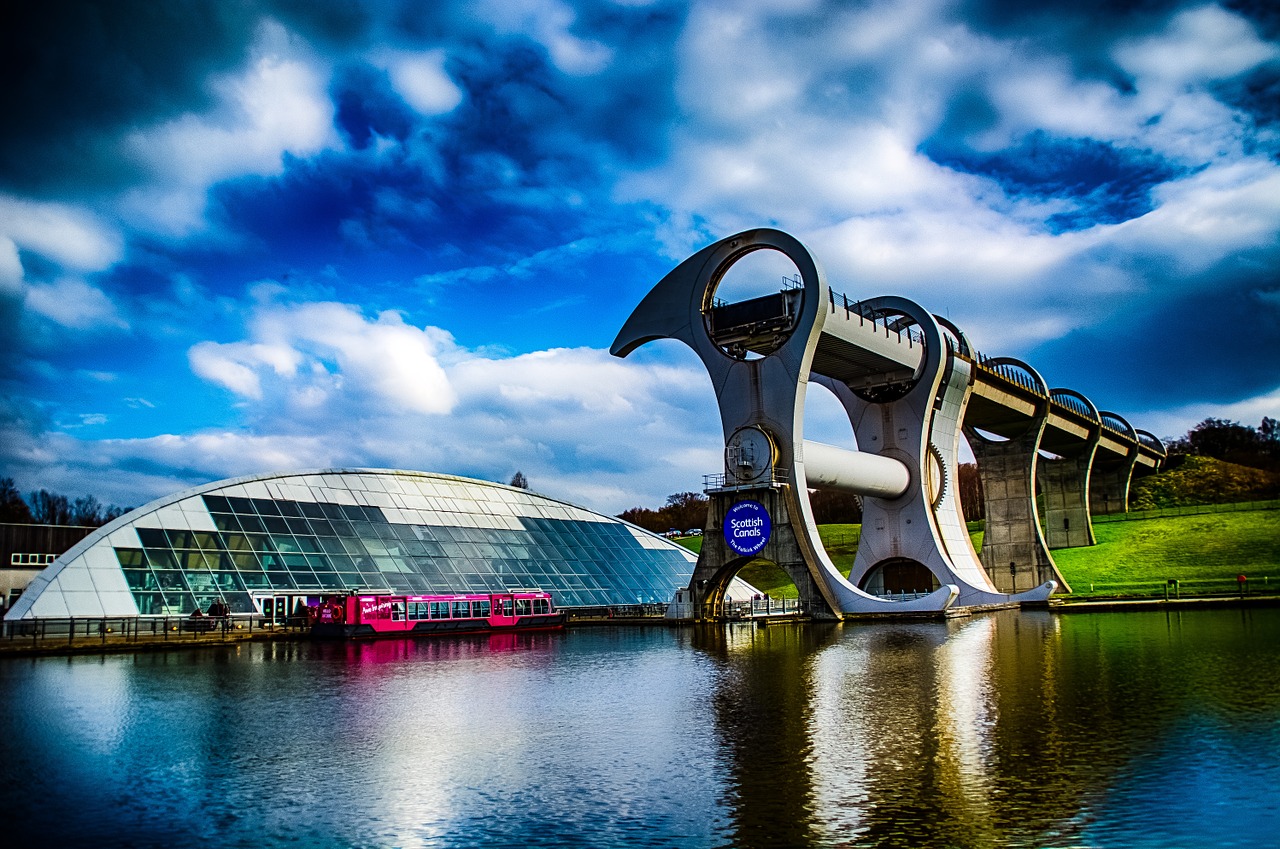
(322, 353)
(10, 268)
(1198, 45)
(276, 105)
(225, 366)
(68, 235)
(1208, 216)
(75, 304)
(549, 22)
(420, 78)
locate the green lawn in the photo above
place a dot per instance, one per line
(1204, 552)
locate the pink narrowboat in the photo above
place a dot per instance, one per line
(380, 614)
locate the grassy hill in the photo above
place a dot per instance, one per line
(1204, 552)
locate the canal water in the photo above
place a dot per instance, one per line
(1144, 729)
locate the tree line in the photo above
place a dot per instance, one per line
(43, 507)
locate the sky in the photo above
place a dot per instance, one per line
(240, 237)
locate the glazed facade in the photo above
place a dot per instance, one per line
(270, 543)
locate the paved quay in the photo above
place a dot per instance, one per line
(1135, 604)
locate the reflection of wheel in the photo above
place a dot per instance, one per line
(935, 471)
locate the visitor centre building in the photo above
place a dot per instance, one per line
(266, 544)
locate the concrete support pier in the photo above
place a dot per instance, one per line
(1014, 550)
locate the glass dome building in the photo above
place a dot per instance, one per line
(265, 544)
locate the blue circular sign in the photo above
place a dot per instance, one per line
(746, 527)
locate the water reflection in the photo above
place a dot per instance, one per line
(1003, 730)
(1009, 729)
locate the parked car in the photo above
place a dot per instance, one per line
(693, 532)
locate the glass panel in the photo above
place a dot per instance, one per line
(322, 527)
(289, 508)
(308, 544)
(374, 581)
(281, 580)
(192, 560)
(130, 557)
(255, 580)
(227, 581)
(161, 559)
(240, 505)
(152, 538)
(140, 579)
(245, 560)
(311, 510)
(216, 504)
(328, 580)
(252, 524)
(265, 506)
(149, 604)
(236, 542)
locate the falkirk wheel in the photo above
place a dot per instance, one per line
(911, 385)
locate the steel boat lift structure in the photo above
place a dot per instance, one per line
(910, 384)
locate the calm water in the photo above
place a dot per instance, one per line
(1124, 730)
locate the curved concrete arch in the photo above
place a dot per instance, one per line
(1092, 410)
(1153, 442)
(965, 348)
(1125, 427)
(1041, 385)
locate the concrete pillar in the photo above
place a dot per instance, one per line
(1064, 486)
(1014, 551)
(718, 563)
(1109, 486)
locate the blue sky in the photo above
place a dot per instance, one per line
(238, 237)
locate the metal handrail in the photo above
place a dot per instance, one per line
(878, 318)
(134, 630)
(721, 482)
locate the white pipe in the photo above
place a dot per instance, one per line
(829, 467)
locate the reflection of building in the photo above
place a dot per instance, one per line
(270, 542)
(25, 549)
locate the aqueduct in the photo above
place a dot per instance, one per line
(911, 385)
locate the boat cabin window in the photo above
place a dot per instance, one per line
(397, 611)
(506, 607)
(524, 606)
(482, 609)
(439, 610)
(462, 610)
(541, 606)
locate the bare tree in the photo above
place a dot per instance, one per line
(50, 508)
(12, 507)
(519, 481)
